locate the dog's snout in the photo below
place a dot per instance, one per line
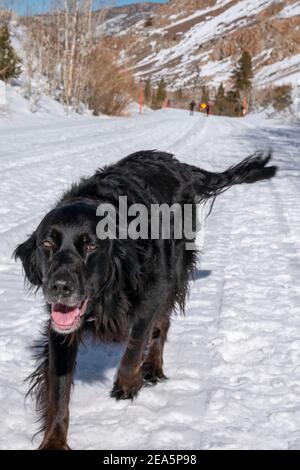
(62, 286)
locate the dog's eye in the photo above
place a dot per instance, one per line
(91, 246)
(47, 244)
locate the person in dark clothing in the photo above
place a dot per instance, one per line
(192, 107)
(207, 109)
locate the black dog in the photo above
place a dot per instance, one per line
(115, 288)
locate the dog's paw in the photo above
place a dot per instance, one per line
(152, 374)
(127, 389)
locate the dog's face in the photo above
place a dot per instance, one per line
(65, 258)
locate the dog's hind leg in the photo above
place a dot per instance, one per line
(129, 378)
(152, 367)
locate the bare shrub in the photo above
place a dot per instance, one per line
(148, 22)
(61, 48)
(57, 48)
(64, 58)
(280, 97)
(109, 86)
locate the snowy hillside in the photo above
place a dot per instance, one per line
(188, 43)
(233, 361)
(186, 40)
(18, 109)
(19, 104)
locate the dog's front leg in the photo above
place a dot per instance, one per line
(58, 381)
(129, 377)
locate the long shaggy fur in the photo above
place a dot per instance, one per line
(141, 271)
(38, 379)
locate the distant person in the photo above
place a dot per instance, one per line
(192, 107)
(207, 109)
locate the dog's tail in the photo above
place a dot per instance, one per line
(250, 170)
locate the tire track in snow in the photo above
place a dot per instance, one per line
(233, 360)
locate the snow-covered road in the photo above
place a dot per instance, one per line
(234, 361)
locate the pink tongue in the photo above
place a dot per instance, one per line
(63, 315)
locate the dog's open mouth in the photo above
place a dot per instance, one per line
(65, 318)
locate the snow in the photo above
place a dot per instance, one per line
(281, 72)
(233, 361)
(176, 62)
(205, 31)
(218, 70)
(112, 26)
(290, 10)
(18, 109)
(198, 13)
(37, 106)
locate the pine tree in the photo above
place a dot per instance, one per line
(220, 101)
(220, 93)
(10, 64)
(148, 91)
(161, 93)
(179, 94)
(243, 74)
(204, 94)
(234, 106)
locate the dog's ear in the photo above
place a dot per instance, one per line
(26, 252)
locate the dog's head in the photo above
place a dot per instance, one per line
(66, 259)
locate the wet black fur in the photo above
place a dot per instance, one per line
(140, 269)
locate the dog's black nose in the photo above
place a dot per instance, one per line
(62, 286)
